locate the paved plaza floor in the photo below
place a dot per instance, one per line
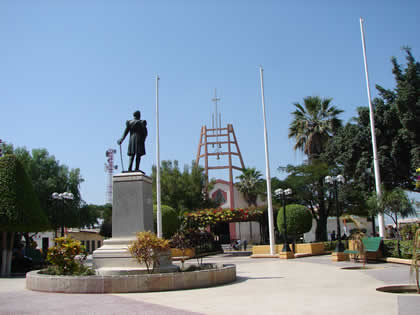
(311, 285)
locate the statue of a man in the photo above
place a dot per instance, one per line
(138, 133)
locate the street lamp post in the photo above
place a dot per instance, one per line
(63, 197)
(280, 193)
(334, 181)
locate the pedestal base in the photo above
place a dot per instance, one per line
(339, 256)
(114, 258)
(132, 212)
(286, 255)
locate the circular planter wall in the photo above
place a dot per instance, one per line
(222, 274)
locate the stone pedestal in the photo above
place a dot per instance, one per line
(132, 212)
(286, 255)
(339, 256)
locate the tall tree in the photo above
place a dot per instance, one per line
(406, 99)
(250, 185)
(305, 179)
(307, 184)
(394, 203)
(397, 121)
(182, 190)
(313, 124)
(47, 176)
(20, 209)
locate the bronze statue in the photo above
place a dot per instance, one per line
(138, 133)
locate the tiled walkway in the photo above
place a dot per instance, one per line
(312, 285)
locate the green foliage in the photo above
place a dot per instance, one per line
(147, 248)
(170, 221)
(250, 185)
(47, 176)
(391, 249)
(89, 215)
(182, 190)
(330, 246)
(298, 219)
(307, 182)
(407, 231)
(393, 203)
(20, 210)
(63, 257)
(106, 215)
(203, 218)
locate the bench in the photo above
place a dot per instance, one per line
(372, 248)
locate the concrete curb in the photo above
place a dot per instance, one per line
(223, 274)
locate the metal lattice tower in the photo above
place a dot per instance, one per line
(109, 168)
(220, 143)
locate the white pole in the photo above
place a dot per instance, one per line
(267, 171)
(372, 130)
(159, 210)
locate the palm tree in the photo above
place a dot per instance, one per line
(250, 183)
(313, 124)
(393, 203)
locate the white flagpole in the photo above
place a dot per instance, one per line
(159, 210)
(372, 130)
(267, 170)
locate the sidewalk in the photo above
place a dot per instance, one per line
(312, 285)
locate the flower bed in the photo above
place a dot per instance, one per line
(222, 274)
(207, 217)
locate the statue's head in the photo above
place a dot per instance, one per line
(136, 114)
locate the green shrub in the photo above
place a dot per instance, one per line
(391, 250)
(62, 256)
(407, 231)
(170, 221)
(147, 248)
(298, 219)
(331, 245)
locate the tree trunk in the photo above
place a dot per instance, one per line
(10, 254)
(321, 229)
(27, 239)
(321, 223)
(4, 254)
(398, 236)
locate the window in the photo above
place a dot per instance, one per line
(99, 244)
(93, 245)
(88, 246)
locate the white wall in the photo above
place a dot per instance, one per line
(39, 236)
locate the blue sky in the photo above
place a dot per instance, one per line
(72, 73)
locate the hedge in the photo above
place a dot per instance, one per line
(170, 221)
(20, 210)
